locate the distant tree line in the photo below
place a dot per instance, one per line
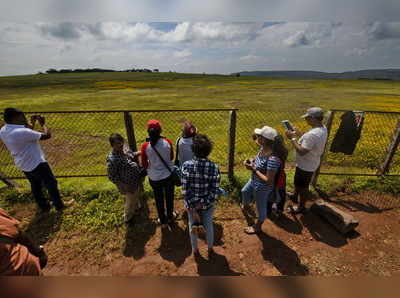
(80, 70)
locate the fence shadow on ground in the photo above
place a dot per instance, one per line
(368, 202)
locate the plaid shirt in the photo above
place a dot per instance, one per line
(122, 168)
(200, 183)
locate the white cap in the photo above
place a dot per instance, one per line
(314, 112)
(267, 132)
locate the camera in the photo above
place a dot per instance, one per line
(287, 125)
(249, 161)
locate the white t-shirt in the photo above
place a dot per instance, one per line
(185, 152)
(156, 169)
(313, 140)
(23, 144)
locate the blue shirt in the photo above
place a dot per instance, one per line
(263, 164)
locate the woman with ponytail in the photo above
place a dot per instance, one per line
(156, 156)
(267, 174)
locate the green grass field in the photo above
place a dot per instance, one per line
(171, 90)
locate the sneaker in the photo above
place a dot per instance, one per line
(296, 210)
(194, 230)
(66, 204)
(291, 197)
(201, 229)
(127, 220)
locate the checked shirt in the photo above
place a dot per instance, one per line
(200, 183)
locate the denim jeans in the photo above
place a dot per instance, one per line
(249, 193)
(164, 195)
(206, 217)
(43, 176)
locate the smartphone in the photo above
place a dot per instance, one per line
(287, 125)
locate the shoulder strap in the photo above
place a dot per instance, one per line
(177, 149)
(162, 159)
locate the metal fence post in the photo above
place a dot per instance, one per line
(390, 151)
(130, 131)
(231, 142)
(328, 128)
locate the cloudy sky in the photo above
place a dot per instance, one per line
(212, 36)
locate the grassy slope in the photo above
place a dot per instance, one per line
(170, 90)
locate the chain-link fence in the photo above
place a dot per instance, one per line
(372, 152)
(80, 144)
(80, 139)
(249, 119)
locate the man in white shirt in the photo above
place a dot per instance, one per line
(23, 143)
(309, 149)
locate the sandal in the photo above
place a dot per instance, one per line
(251, 230)
(296, 210)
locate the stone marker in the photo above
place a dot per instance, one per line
(341, 220)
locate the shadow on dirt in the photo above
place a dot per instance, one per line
(43, 225)
(285, 259)
(217, 265)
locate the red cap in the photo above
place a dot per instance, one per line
(189, 130)
(153, 124)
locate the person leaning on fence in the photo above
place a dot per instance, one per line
(184, 143)
(156, 156)
(309, 149)
(267, 175)
(18, 254)
(23, 143)
(124, 171)
(200, 188)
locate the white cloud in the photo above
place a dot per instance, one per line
(382, 31)
(182, 54)
(216, 47)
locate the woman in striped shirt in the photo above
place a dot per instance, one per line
(266, 168)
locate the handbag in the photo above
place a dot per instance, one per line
(275, 195)
(175, 172)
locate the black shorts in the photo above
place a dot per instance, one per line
(302, 178)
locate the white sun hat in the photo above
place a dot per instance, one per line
(267, 132)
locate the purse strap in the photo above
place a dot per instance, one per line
(162, 159)
(177, 152)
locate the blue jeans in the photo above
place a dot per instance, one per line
(249, 193)
(206, 217)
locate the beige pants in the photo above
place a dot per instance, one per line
(132, 203)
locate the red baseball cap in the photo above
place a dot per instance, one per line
(153, 124)
(189, 130)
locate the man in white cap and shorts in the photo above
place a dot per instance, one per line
(309, 148)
